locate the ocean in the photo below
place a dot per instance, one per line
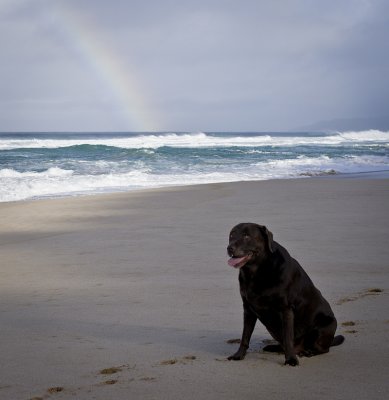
(41, 165)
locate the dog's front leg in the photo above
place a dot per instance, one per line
(249, 320)
(288, 336)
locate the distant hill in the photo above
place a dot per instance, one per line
(349, 124)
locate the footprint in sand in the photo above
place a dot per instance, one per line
(52, 390)
(360, 295)
(348, 324)
(169, 362)
(110, 382)
(182, 360)
(111, 370)
(105, 371)
(55, 389)
(147, 379)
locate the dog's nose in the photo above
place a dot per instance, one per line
(230, 250)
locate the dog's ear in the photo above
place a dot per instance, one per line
(268, 237)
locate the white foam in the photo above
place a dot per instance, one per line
(51, 172)
(199, 140)
(365, 136)
(60, 182)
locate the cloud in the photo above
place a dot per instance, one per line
(205, 65)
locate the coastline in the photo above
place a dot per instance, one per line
(379, 174)
(139, 281)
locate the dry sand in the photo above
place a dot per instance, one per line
(129, 296)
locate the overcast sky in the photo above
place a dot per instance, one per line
(199, 65)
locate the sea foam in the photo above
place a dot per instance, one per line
(44, 165)
(196, 140)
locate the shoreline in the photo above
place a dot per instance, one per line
(379, 174)
(137, 285)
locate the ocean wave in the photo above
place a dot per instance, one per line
(55, 181)
(365, 136)
(51, 172)
(127, 142)
(193, 140)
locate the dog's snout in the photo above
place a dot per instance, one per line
(230, 250)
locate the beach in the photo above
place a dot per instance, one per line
(129, 295)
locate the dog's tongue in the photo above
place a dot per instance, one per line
(236, 262)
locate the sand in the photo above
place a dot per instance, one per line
(129, 296)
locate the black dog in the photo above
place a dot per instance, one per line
(276, 290)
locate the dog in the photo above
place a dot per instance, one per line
(276, 290)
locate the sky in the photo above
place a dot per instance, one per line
(190, 66)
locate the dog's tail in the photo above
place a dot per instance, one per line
(337, 340)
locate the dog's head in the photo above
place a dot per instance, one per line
(248, 242)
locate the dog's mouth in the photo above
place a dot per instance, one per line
(239, 262)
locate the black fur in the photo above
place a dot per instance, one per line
(276, 290)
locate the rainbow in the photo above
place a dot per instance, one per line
(120, 79)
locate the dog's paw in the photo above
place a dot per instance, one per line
(293, 361)
(306, 353)
(239, 355)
